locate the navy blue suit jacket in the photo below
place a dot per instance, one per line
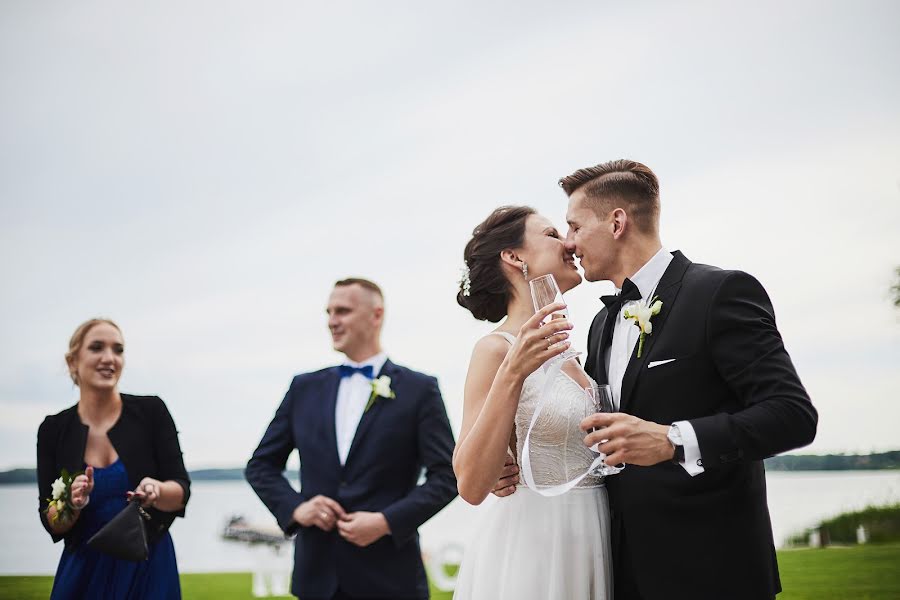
(395, 439)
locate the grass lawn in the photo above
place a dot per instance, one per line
(194, 586)
(861, 572)
(870, 572)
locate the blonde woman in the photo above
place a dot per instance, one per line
(126, 446)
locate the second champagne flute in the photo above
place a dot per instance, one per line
(599, 399)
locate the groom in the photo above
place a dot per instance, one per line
(705, 391)
(364, 431)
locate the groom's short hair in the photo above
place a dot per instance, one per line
(626, 181)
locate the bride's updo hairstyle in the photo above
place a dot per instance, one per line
(488, 289)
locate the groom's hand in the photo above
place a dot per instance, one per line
(363, 528)
(509, 477)
(628, 439)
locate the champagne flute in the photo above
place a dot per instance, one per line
(599, 399)
(544, 291)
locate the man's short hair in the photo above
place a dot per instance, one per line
(363, 283)
(627, 182)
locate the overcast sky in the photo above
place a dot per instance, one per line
(203, 172)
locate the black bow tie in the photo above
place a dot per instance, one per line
(613, 305)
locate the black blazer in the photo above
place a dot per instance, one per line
(145, 439)
(707, 536)
(396, 439)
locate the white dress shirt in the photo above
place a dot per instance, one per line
(352, 396)
(626, 335)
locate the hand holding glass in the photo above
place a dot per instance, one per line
(544, 291)
(599, 399)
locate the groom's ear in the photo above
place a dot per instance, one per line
(619, 223)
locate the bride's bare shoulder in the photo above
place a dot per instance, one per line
(487, 357)
(493, 345)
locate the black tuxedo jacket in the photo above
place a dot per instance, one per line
(395, 439)
(708, 536)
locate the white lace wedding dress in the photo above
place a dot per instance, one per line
(530, 546)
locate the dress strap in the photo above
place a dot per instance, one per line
(506, 336)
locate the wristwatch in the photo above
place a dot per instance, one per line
(674, 436)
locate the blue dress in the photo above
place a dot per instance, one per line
(85, 573)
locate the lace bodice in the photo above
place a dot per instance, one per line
(558, 453)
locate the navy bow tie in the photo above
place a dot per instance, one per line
(347, 370)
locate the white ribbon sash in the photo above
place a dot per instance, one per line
(527, 474)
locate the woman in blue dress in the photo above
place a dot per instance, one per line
(126, 446)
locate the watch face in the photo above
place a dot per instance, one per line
(674, 436)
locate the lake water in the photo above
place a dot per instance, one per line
(796, 500)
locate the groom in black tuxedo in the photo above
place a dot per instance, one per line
(705, 391)
(365, 430)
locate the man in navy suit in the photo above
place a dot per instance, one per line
(364, 431)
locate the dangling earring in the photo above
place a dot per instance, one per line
(525, 270)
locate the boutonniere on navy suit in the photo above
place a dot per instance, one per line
(381, 388)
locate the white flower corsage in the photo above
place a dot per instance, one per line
(381, 388)
(641, 312)
(61, 497)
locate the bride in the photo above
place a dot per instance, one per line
(530, 545)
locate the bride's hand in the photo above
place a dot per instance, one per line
(536, 343)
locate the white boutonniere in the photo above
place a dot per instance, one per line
(641, 312)
(381, 388)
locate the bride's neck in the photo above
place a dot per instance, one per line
(517, 312)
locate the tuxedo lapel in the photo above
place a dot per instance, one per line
(600, 374)
(329, 392)
(371, 415)
(666, 292)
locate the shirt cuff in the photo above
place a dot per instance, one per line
(692, 462)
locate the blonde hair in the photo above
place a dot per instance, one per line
(77, 341)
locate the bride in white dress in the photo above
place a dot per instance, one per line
(528, 546)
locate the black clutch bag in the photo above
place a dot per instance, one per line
(125, 536)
